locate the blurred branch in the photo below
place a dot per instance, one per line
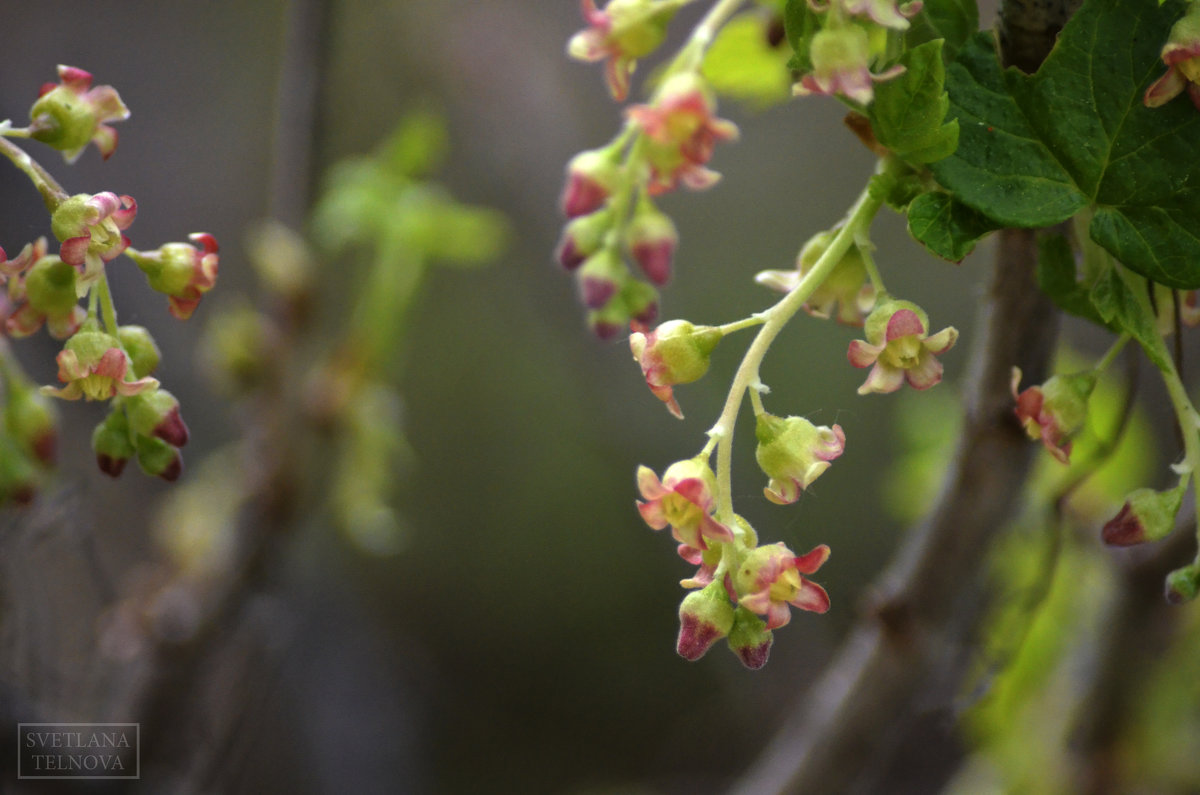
(885, 701)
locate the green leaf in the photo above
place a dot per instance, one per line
(417, 147)
(1056, 278)
(742, 64)
(1118, 306)
(1036, 149)
(800, 23)
(948, 228)
(909, 111)
(951, 20)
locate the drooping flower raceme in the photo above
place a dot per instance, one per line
(770, 578)
(899, 348)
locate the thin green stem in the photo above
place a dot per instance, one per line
(747, 376)
(52, 193)
(738, 325)
(868, 258)
(1189, 425)
(107, 310)
(692, 53)
(1112, 353)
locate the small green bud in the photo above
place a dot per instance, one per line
(750, 639)
(1183, 584)
(31, 419)
(1147, 515)
(110, 441)
(144, 354)
(705, 616)
(158, 458)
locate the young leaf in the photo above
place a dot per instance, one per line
(1036, 149)
(909, 111)
(1118, 306)
(743, 65)
(948, 228)
(951, 20)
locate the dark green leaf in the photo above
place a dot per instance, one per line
(946, 227)
(1118, 306)
(909, 111)
(1034, 150)
(951, 20)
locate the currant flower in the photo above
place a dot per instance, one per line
(620, 34)
(1055, 410)
(93, 366)
(47, 294)
(845, 293)
(89, 229)
(591, 177)
(683, 499)
(652, 238)
(889, 13)
(793, 452)
(898, 349)
(71, 114)
(674, 353)
(841, 59)
(582, 237)
(1181, 54)
(769, 580)
(181, 270)
(681, 131)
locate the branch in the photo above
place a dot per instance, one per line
(849, 730)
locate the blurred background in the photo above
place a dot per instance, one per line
(522, 637)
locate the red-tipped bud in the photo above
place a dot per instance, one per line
(1183, 584)
(635, 305)
(156, 413)
(705, 617)
(600, 277)
(652, 240)
(1055, 410)
(31, 420)
(750, 639)
(1147, 515)
(591, 177)
(581, 238)
(111, 443)
(159, 458)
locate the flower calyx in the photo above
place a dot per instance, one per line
(705, 616)
(771, 577)
(684, 499)
(845, 294)
(623, 32)
(94, 366)
(1147, 515)
(182, 271)
(89, 228)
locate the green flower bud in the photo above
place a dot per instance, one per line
(750, 639)
(158, 458)
(144, 354)
(705, 616)
(110, 441)
(1147, 515)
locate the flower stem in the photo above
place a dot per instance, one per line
(692, 53)
(1112, 353)
(107, 310)
(860, 216)
(52, 193)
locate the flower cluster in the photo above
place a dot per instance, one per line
(743, 591)
(100, 360)
(608, 200)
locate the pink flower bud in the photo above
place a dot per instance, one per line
(652, 239)
(582, 237)
(674, 353)
(750, 639)
(769, 579)
(591, 177)
(898, 348)
(636, 306)
(793, 452)
(1147, 515)
(1055, 410)
(158, 458)
(111, 441)
(155, 412)
(71, 114)
(600, 277)
(705, 616)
